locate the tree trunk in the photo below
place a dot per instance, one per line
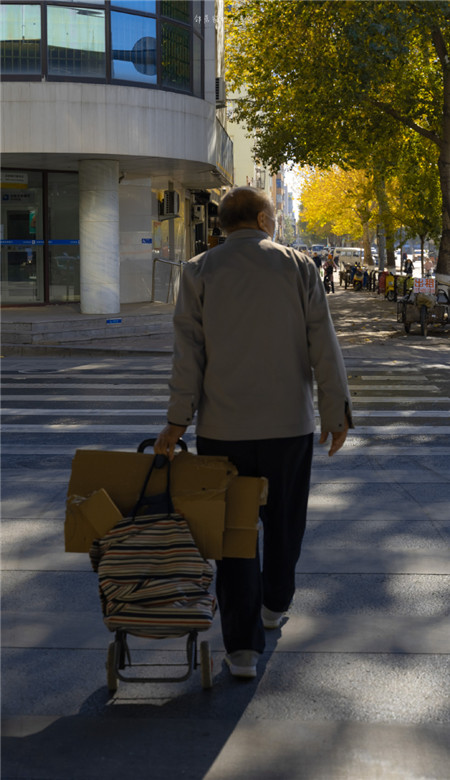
(368, 259)
(443, 263)
(385, 217)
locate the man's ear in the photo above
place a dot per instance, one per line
(262, 221)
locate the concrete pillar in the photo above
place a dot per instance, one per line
(99, 236)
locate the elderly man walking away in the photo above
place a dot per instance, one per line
(251, 326)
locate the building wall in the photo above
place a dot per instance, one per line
(107, 120)
(135, 226)
(243, 160)
(247, 172)
(161, 140)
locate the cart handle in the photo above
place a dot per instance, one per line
(151, 442)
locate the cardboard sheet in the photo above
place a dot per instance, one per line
(221, 508)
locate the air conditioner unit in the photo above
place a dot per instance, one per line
(221, 96)
(170, 206)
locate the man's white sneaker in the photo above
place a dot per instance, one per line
(242, 663)
(271, 619)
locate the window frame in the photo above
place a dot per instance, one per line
(108, 6)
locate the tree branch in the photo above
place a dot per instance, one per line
(387, 109)
(440, 46)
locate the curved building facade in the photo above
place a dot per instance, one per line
(114, 149)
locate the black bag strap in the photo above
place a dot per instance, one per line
(164, 499)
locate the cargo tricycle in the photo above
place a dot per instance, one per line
(424, 310)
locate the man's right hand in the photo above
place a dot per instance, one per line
(166, 442)
(337, 439)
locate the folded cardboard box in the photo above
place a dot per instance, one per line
(88, 519)
(244, 497)
(220, 507)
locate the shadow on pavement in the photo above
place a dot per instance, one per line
(168, 736)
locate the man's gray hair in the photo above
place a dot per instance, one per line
(241, 206)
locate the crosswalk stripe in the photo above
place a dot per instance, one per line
(143, 429)
(406, 386)
(91, 398)
(84, 412)
(406, 399)
(21, 376)
(320, 453)
(17, 381)
(413, 377)
(58, 427)
(400, 430)
(89, 386)
(164, 399)
(401, 413)
(133, 412)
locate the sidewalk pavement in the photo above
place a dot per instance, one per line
(354, 686)
(366, 324)
(62, 330)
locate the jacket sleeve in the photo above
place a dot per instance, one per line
(326, 358)
(189, 349)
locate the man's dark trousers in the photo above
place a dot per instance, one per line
(241, 588)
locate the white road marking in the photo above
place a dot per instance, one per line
(148, 430)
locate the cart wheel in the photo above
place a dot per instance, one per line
(206, 665)
(111, 678)
(423, 321)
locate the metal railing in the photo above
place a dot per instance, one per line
(173, 281)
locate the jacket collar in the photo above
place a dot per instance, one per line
(247, 233)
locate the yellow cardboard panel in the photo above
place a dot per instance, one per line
(88, 519)
(240, 543)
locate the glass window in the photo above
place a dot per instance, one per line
(176, 9)
(152, 43)
(175, 57)
(133, 48)
(63, 243)
(21, 39)
(145, 6)
(76, 42)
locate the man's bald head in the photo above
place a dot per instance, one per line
(240, 208)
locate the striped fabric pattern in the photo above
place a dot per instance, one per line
(153, 580)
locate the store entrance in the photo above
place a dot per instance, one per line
(40, 261)
(22, 267)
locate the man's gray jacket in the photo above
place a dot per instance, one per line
(251, 326)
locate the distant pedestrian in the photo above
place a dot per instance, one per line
(329, 268)
(409, 266)
(252, 326)
(428, 267)
(317, 260)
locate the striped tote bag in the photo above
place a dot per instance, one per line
(153, 580)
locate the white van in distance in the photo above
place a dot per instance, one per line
(348, 255)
